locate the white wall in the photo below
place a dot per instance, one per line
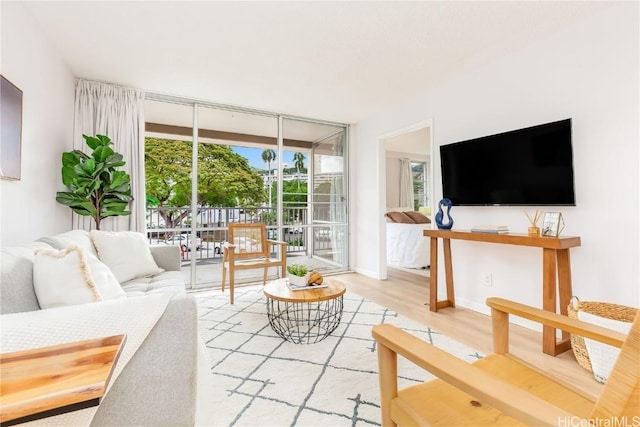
(29, 209)
(588, 72)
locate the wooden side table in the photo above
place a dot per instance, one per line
(555, 265)
(51, 380)
(304, 316)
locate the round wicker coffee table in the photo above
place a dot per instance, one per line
(304, 316)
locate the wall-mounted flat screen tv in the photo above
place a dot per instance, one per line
(524, 167)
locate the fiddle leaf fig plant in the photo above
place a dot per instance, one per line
(96, 187)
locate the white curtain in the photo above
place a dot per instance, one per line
(406, 183)
(117, 112)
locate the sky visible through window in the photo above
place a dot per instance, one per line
(254, 155)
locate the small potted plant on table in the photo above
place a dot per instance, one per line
(298, 274)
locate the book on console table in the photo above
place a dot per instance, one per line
(494, 229)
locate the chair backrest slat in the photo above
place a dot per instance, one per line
(621, 393)
(250, 240)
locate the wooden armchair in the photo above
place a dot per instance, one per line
(249, 248)
(500, 389)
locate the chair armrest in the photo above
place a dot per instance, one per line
(277, 242)
(558, 321)
(472, 380)
(229, 252)
(166, 256)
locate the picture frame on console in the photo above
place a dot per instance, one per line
(551, 224)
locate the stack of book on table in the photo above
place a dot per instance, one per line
(494, 229)
(305, 287)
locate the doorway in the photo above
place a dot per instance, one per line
(414, 144)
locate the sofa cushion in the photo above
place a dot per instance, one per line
(168, 281)
(126, 253)
(77, 237)
(71, 276)
(16, 277)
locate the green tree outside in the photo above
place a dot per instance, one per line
(224, 178)
(269, 156)
(298, 162)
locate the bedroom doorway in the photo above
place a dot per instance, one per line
(411, 147)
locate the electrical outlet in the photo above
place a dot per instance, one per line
(487, 279)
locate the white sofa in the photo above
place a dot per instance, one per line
(158, 385)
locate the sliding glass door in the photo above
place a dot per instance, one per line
(321, 220)
(234, 183)
(244, 166)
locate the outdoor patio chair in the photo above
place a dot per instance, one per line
(501, 389)
(248, 248)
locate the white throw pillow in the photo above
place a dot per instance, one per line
(126, 253)
(71, 276)
(602, 356)
(104, 279)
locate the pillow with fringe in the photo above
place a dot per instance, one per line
(71, 276)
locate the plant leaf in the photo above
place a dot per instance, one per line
(70, 159)
(114, 213)
(91, 141)
(115, 160)
(81, 211)
(124, 188)
(80, 171)
(124, 197)
(104, 140)
(119, 178)
(89, 165)
(74, 201)
(102, 153)
(68, 175)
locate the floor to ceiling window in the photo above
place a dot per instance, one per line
(251, 166)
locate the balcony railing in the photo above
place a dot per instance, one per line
(172, 226)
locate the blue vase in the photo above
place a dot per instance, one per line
(443, 217)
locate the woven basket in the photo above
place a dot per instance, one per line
(607, 310)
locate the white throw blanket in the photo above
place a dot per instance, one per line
(134, 317)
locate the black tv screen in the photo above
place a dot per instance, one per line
(524, 167)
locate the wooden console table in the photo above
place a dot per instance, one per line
(555, 265)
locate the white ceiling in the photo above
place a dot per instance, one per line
(340, 61)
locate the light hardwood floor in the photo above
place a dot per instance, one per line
(408, 294)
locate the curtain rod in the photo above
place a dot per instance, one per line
(154, 96)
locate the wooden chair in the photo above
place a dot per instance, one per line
(501, 389)
(248, 248)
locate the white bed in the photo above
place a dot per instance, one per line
(406, 245)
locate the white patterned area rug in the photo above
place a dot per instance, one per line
(261, 380)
